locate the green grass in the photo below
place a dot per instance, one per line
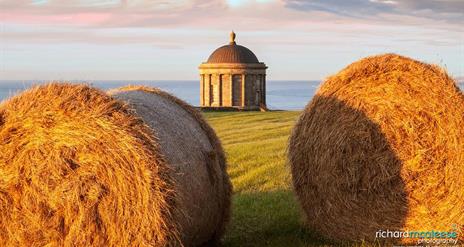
(264, 209)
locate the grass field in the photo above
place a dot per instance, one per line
(265, 211)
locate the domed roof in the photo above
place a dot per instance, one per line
(232, 53)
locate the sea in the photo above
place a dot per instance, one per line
(280, 95)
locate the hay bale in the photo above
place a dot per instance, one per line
(195, 155)
(78, 167)
(381, 147)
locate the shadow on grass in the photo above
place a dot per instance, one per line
(268, 219)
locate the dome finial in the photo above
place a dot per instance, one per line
(232, 37)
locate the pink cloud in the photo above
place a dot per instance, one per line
(79, 18)
(197, 14)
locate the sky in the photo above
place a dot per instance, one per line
(169, 39)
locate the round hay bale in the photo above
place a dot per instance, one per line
(381, 147)
(80, 168)
(195, 157)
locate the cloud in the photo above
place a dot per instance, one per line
(351, 8)
(281, 28)
(245, 15)
(445, 10)
(50, 36)
(94, 13)
(163, 23)
(217, 14)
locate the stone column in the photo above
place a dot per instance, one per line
(264, 89)
(202, 90)
(231, 89)
(208, 90)
(261, 89)
(256, 88)
(220, 88)
(243, 89)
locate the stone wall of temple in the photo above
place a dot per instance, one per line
(216, 86)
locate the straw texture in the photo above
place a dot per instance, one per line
(77, 168)
(381, 147)
(195, 157)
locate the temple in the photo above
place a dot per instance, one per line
(233, 77)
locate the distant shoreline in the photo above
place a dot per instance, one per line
(282, 95)
(290, 95)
